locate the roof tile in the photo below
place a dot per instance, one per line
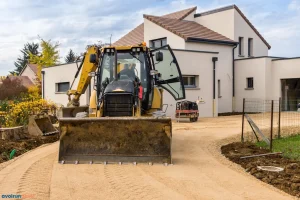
(187, 29)
(136, 36)
(26, 82)
(33, 67)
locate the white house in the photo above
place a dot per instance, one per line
(222, 41)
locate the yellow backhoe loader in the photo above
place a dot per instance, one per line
(124, 121)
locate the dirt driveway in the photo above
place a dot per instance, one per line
(199, 171)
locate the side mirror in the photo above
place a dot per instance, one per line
(93, 58)
(159, 56)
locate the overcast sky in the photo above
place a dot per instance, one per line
(76, 23)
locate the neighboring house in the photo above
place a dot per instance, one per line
(222, 41)
(31, 71)
(25, 81)
(57, 80)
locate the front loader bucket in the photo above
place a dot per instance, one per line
(40, 125)
(115, 139)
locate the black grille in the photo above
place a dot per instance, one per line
(118, 105)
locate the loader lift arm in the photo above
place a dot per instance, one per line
(85, 79)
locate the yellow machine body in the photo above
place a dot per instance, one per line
(98, 137)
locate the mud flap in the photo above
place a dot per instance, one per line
(115, 139)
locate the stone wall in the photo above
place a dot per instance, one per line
(14, 133)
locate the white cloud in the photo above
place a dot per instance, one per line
(294, 5)
(76, 24)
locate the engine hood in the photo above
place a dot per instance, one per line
(120, 86)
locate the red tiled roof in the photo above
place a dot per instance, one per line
(187, 29)
(26, 82)
(136, 36)
(33, 67)
(180, 14)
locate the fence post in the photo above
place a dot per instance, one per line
(271, 136)
(279, 118)
(243, 119)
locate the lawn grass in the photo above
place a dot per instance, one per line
(289, 146)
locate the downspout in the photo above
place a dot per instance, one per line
(43, 84)
(214, 59)
(233, 76)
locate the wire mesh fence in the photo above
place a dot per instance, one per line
(273, 124)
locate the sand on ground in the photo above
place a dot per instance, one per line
(199, 171)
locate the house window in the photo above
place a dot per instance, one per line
(241, 46)
(250, 47)
(250, 83)
(189, 81)
(219, 88)
(158, 43)
(62, 87)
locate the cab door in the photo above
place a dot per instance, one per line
(168, 72)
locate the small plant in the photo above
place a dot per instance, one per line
(289, 146)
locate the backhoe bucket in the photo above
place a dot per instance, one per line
(115, 139)
(40, 125)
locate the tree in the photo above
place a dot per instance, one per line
(70, 57)
(22, 61)
(11, 89)
(48, 57)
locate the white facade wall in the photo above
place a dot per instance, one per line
(58, 74)
(223, 72)
(231, 24)
(220, 22)
(28, 72)
(267, 74)
(283, 69)
(199, 64)
(260, 70)
(242, 29)
(153, 31)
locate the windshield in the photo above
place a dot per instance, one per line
(129, 66)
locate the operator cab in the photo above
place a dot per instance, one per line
(128, 75)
